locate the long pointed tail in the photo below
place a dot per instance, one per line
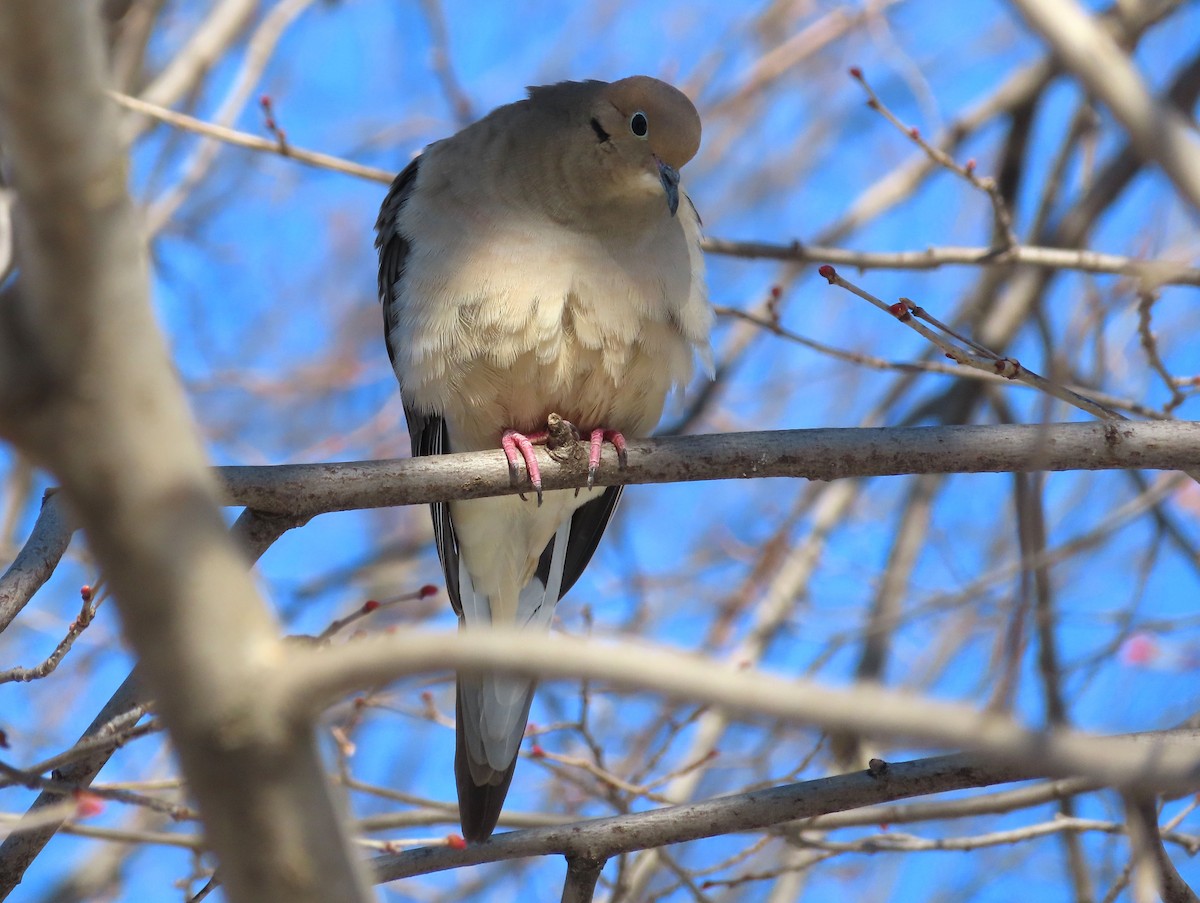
(491, 712)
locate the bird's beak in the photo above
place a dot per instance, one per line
(670, 182)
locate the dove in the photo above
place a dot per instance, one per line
(545, 260)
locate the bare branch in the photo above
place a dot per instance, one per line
(1149, 272)
(258, 53)
(757, 810)
(582, 875)
(45, 816)
(94, 365)
(37, 560)
(823, 454)
(1159, 132)
(966, 172)
(209, 41)
(318, 676)
(253, 142)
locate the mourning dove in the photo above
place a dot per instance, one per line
(542, 260)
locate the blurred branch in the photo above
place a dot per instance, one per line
(1154, 875)
(1126, 21)
(317, 676)
(6, 238)
(770, 66)
(259, 50)
(37, 559)
(443, 65)
(84, 358)
(1159, 132)
(210, 41)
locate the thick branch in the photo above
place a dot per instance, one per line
(316, 677)
(1159, 132)
(94, 398)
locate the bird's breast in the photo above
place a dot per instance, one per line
(499, 333)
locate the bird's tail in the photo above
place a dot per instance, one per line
(493, 709)
(492, 712)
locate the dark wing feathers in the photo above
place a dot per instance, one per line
(430, 437)
(426, 430)
(393, 247)
(587, 526)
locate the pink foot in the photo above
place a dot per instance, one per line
(518, 447)
(599, 437)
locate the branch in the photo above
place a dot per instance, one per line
(209, 42)
(604, 838)
(37, 559)
(315, 678)
(93, 397)
(43, 819)
(302, 490)
(1151, 272)
(253, 142)
(1159, 132)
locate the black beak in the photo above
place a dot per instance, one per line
(670, 182)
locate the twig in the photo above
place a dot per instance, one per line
(983, 359)
(111, 737)
(1148, 272)
(1149, 342)
(87, 611)
(373, 605)
(986, 184)
(252, 142)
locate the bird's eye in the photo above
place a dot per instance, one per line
(639, 124)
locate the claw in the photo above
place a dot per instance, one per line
(598, 438)
(519, 447)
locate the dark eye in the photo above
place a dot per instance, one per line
(639, 124)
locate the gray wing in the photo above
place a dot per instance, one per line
(426, 430)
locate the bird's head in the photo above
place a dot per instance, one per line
(645, 131)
